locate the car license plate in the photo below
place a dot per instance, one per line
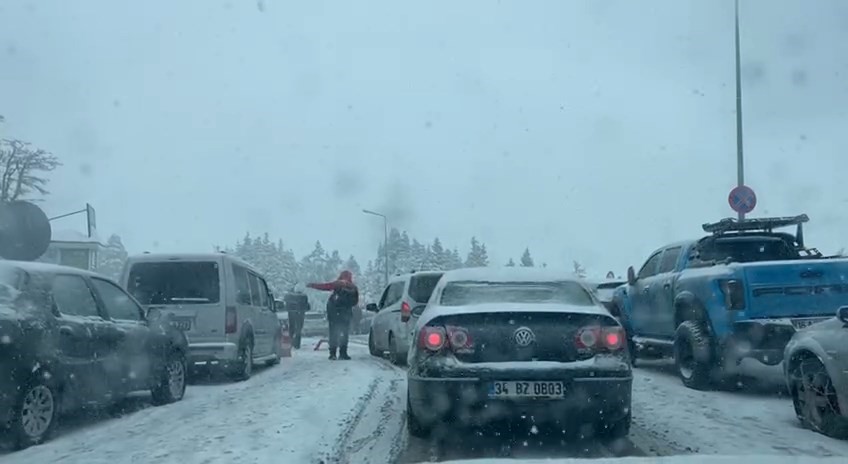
(181, 324)
(519, 389)
(802, 323)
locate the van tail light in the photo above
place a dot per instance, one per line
(597, 338)
(231, 320)
(432, 338)
(460, 340)
(734, 294)
(405, 311)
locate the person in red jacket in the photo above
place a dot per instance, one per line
(339, 310)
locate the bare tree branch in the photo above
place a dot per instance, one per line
(24, 169)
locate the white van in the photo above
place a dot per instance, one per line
(221, 303)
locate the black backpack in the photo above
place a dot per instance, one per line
(346, 296)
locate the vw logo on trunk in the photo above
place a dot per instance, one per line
(523, 336)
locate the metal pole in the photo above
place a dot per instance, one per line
(740, 158)
(385, 242)
(386, 247)
(69, 214)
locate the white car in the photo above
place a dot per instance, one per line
(402, 302)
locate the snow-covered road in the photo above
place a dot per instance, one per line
(310, 410)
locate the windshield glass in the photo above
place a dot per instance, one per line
(175, 283)
(471, 293)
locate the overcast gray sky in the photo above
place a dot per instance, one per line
(591, 130)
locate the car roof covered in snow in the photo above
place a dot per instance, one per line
(47, 268)
(163, 257)
(509, 274)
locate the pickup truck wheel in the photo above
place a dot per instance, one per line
(693, 355)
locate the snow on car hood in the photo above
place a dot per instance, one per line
(687, 459)
(433, 312)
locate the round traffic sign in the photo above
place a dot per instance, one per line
(742, 199)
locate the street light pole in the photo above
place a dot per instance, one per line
(385, 242)
(740, 159)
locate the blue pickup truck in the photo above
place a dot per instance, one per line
(740, 292)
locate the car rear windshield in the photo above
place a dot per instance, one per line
(421, 286)
(746, 249)
(463, 293)
(175, 282)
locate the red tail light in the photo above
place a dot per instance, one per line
(405, 311)
(231, 320)
(600, 338)
(432, 338)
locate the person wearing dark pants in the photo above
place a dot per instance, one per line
(297, 305)
(339, 310)
(339, 321)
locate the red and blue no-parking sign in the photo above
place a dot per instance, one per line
(742, 199)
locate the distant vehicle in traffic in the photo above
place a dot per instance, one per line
(221, 303)
(817, 375)
(498, 344)
(740, 292)
(71, 339)
(396, 313)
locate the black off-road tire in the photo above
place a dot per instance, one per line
(172, 385)
(38, 396)
(693, 355)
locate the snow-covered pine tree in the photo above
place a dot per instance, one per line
(510, 263)
(112, 257)
(526, 259)
(579, 270)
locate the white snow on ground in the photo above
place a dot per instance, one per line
(722, 423)
(673, 460)
(305, 410)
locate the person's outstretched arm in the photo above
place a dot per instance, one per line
(327, 287)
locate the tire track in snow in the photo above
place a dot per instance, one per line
(337, 455)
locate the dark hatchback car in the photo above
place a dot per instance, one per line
(501, 344)
(71, 339)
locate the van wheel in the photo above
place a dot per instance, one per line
(172, 385)
(36, 413)
(245, 366)
(277, 351)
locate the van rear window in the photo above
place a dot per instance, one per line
(175, 283)
(422, 286)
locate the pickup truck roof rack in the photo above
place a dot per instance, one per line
(758, 224)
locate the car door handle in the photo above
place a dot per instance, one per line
(66, 331)
(667, 285)
(646, 289)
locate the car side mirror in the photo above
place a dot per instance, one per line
(371, 307)
(631, 275)
(416, 311)
(842, 314)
